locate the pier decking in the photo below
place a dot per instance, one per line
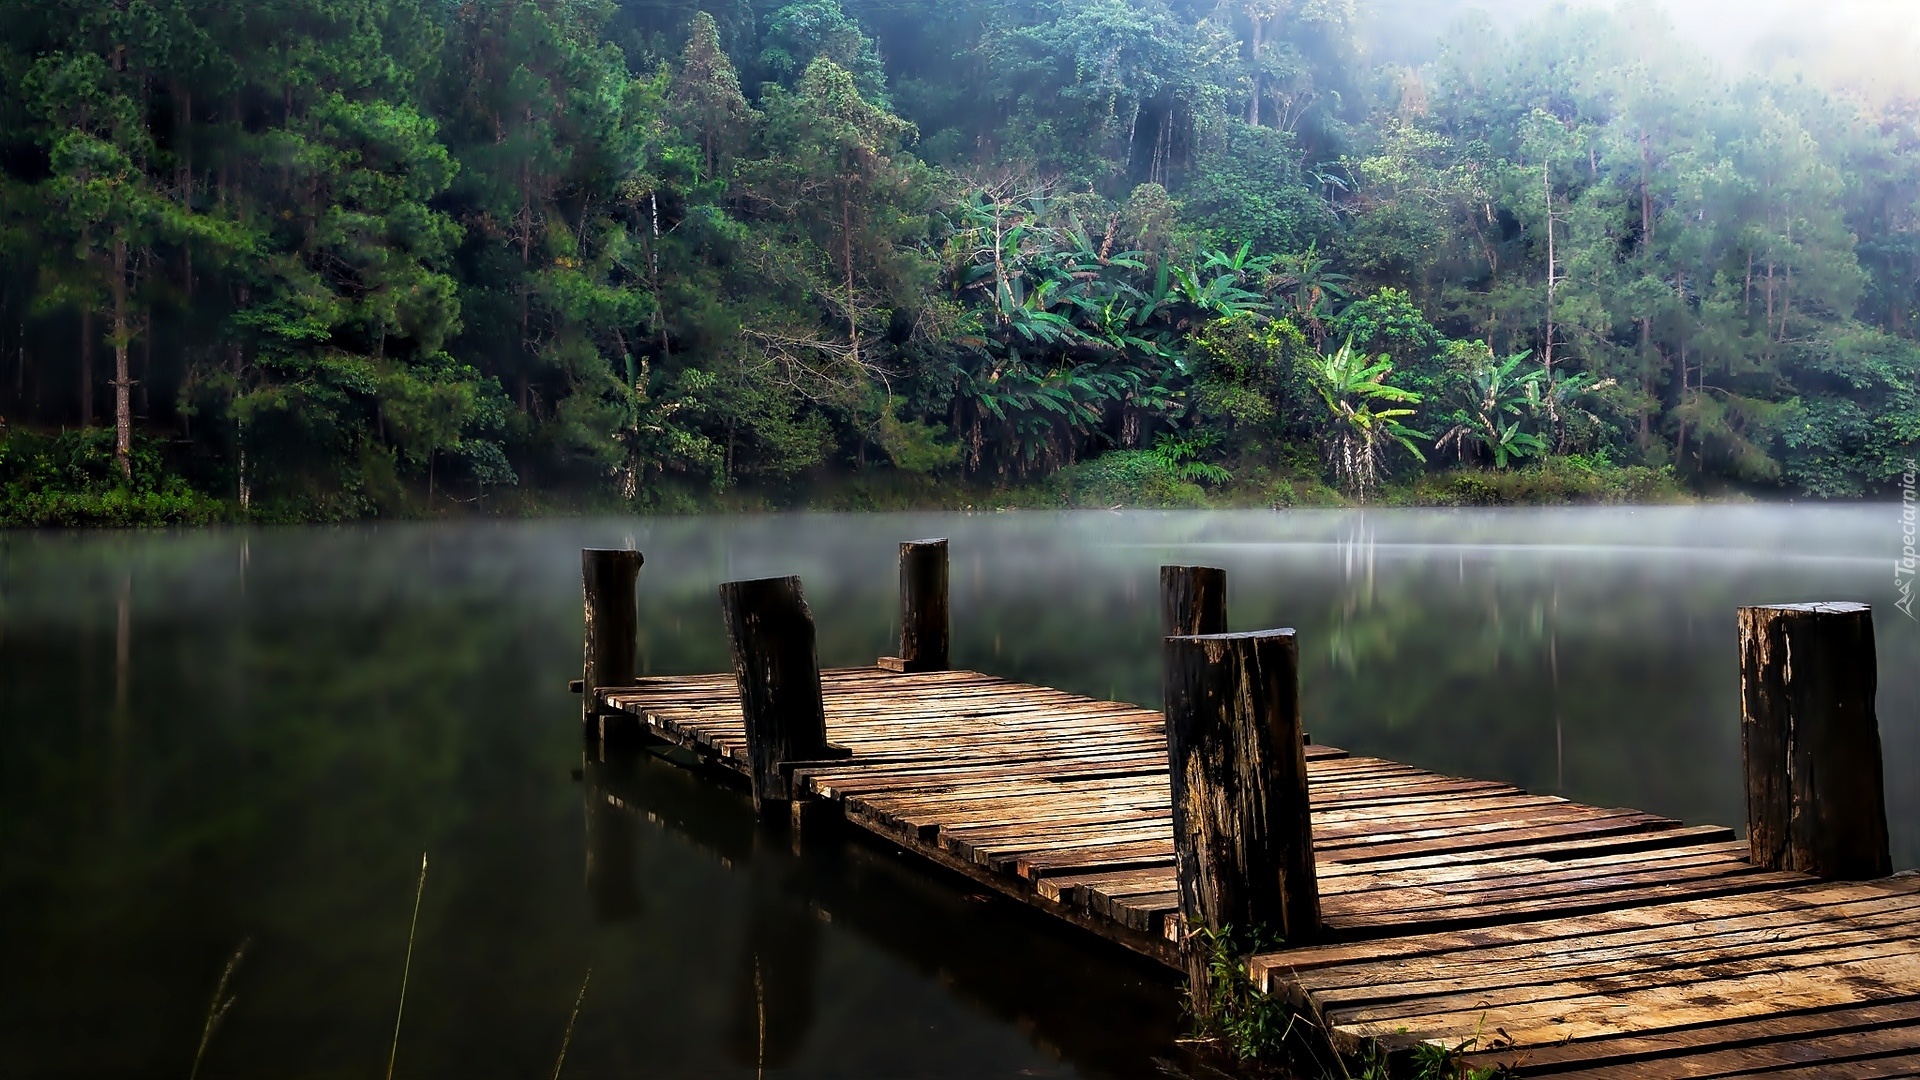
(1526, 931)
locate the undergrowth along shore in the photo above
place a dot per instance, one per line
(69, 481)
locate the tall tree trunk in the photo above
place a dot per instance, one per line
(526, 246)
(122, 378)
(182, 149)
(846, 261)
(653, 267)
(86, 367)
(1646, 383)
(1253, 106)
(1769, 297)
(146, 367)
(1786, 289)
(1546, 187)
(1680, 443)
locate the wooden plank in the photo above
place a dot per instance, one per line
(1749, 1045)
(1802, 902)
(1588, 941)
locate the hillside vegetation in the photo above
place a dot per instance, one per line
(328, 259)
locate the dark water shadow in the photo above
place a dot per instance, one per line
(1079, 999)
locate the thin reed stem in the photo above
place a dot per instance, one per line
(407, 970)
(567, 1040)
(217, 1009)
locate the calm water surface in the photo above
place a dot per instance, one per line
(218, 737)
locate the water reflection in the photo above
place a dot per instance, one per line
(613, 865)
(212, 736)
(772, 999)
(1085, 1005)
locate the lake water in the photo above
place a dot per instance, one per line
(217, 737)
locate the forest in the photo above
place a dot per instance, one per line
(331, 259)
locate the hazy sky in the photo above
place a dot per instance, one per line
(1726, 28)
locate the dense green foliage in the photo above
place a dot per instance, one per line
(352, 257)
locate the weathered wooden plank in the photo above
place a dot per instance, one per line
(1598, 942)
(1530, 938)
(1749, 1045)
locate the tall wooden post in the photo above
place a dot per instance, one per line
(924, 620)
(1193, 600)
(608, 577)
(1816, 799)
(771, 632)
(1242, 838)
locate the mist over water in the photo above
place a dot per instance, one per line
(223, 735)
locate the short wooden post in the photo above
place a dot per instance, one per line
(771, 632)
(608, 577)
(1193, 600)
(1816, 799)
(1242, 838)
(924, 622)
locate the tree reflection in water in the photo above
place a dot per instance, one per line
(210, 736)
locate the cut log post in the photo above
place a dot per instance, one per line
(778, 672)
(1193, 600)
(608, 577)
(1816, 797)
(925, 625)
(1242, 838)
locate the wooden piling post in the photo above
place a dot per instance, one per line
(1816, 797)
(771, 633)
(608, 579)
(1242, 839)
(1193, 600)
(925, 624)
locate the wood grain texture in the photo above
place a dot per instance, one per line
(1193, 600)
(924, 618)
(1810, 740)
(777, 673)
(1242, 835)
(1535, 932)
(607, 586)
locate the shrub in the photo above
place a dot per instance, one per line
(1576, 479)
(1130, 478)
(70, 480)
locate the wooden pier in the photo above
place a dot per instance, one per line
(1521, 932)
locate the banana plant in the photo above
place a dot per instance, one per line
(1305, 289)
(1558, 396)
(1494, 404)
(1243, 264)
(1364, 416)
(1215, 296)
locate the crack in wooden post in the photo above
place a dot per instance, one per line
(770, 631)
(1242, 837)
(1193, 600)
